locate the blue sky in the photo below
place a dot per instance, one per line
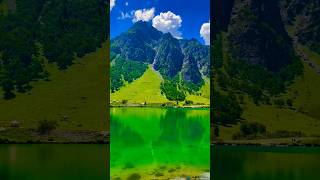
(182, 18)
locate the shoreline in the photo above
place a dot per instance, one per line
(29, 136)
(156, 105)
(275, 142)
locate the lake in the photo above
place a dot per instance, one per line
(265, 163)
(159, 143)
(52, 162)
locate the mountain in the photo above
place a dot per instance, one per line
(199, 52)
(169, 58)
(265, 66)
(182, 63)
(256, 33)
(137, 43)
(304, 16)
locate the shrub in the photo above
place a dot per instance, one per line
(248, 129)
(46, 127)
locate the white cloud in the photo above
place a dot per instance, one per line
(127, 3)
(143, 15)
(125, 15)
(168, 22)
(205, 32)
(112, 4)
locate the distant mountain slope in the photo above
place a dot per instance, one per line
(181, 63)
(256, 33)
(169, 58)
(265, 71)
(137, 43)
(304, 16)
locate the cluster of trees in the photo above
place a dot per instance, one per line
(124, 70)
(256, 80)
(225, 109)
(58, 30)
(249, 130)
(252, 128)
(19, 61)
(171, 90)
(252, 79)
(69, 28)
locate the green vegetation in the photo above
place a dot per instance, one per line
(302, 117)
(286, 104)
(45, 126)
(180, 63)
(171, 90)
(148, 83)
(202, 96)
(75, 98)
(125, 71)
(58, 30)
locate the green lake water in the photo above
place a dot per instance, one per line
(53, 162)
(159, 143)
(265, 163)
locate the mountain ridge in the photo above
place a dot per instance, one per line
(181, 63)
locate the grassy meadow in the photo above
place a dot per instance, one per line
(144, 89)
(147, 89)
(75, 98)
(304, 116)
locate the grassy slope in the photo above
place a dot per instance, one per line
(205, 94)
(147, 89)
(144, 89)
(306, 118)
(79, 93)
(275, 118)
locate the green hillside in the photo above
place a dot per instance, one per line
(147, 89)
(204, 98)
(144, 89)
(304, 116)
(75, 98)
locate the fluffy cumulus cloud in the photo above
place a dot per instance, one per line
(168, 22)
(205, 32)
(143, 15)
(112, 4)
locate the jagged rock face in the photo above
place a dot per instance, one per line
(137, 43)
(144, 43)
(190, 71)
(199, 52)
(169, 57)
(257, 35)
(305, 16)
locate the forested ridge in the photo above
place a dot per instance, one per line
(41, 30)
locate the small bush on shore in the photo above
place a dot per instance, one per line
(46, 127)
